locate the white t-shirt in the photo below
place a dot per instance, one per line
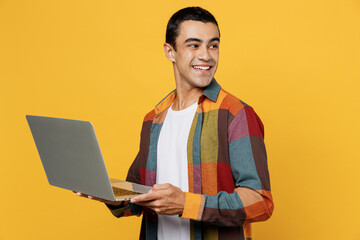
(172, 167)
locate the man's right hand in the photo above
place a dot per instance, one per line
(108, 202)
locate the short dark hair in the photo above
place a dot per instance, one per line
(189, 13)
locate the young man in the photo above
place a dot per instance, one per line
(201, 148)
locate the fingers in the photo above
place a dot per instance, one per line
(155, 193)
(143, 198)
(87, 196)
(108, 202)
(81, 194)
(163, 199)
(95, 198)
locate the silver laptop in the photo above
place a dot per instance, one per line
(72, 159)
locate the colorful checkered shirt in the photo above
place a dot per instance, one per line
(229, 185)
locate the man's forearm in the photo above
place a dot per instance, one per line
(229, 209)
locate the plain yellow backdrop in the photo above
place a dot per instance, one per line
(296, 62)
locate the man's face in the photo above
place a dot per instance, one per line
(197, 54)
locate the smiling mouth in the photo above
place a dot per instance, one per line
(203, 68)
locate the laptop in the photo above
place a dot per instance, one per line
(72, 159)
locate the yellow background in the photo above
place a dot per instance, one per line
(296, 62)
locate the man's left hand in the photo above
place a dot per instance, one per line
(164, 199)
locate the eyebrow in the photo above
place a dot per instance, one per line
(200, 41)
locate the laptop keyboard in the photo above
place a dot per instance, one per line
(118, 192)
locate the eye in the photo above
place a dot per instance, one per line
(193, 45)
(214, 46)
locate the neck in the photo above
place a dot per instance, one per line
(186, 96)
(185, 100)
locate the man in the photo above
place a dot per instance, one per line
(201, 148)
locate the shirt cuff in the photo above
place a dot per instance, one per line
(119, 211)
(194, 206)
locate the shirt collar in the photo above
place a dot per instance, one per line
(211, 92)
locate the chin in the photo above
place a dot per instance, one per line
(204, 83)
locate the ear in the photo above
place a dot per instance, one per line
(169, 52)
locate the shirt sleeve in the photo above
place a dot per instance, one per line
(126, 209)
(134, 173)
(251, 199)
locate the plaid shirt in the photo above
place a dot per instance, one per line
(229, 184)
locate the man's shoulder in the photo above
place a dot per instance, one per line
(159, 107)
(150, 116)
(230, 102)
(242, 112)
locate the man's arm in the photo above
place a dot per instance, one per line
(251, 200)
(134, 174)
(118, 208)
(164, 199)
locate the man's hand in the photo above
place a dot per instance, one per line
(164, 199)
(108, 202)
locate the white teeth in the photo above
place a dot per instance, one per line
(201, 67)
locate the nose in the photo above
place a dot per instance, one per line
(204, 54)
